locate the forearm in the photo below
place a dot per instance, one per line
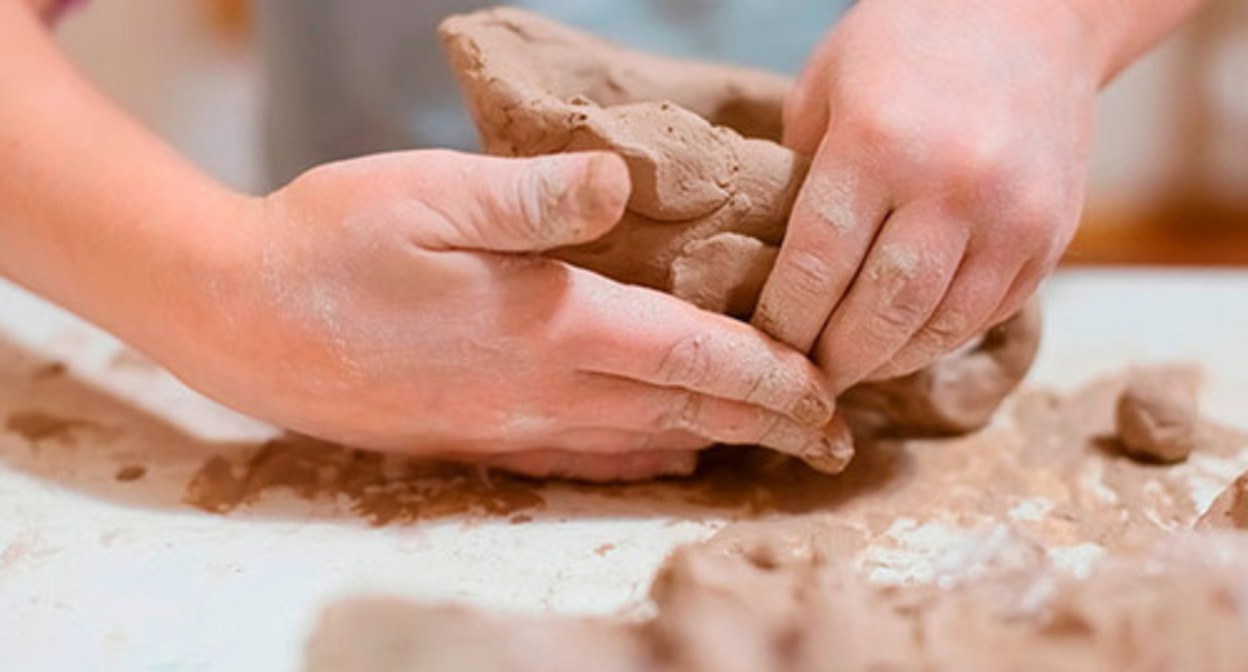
(96, 214)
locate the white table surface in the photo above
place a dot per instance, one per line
(101, 575)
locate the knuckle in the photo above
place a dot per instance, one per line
(759, 384)
(902, 314)
(810, 274)
(907, 285)
(879, 121)
(684, 413)
(534, 196)
(766, 429)
(945, 331)
(1037, 213)
(688, 362)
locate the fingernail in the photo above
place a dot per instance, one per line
(829, 455)
(813, 410)
(603, 190)
(588, 185)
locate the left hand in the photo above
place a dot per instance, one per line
(950, 140)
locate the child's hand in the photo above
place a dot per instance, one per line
(393, 302)
(950, 143)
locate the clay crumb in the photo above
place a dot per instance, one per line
(38, 426)
(604, 549)
(1157, 416)
(132, 472)
(49, 371)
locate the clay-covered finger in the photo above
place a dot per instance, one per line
(513, 205)
(639, 407)
(970, 303)
(835, 218)
(902, 281)
(654, 338)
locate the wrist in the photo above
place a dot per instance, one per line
(1102, 26)
(1124, 30)
(181, 301)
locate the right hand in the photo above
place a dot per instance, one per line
(394, 303)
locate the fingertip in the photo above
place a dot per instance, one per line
(599, 198)
(814, 408)
(833, 453)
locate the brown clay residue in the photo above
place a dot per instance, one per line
(49, 371)
(129, 473)
(757, 482)
(782, 591)
(38, 426)
(382, 489)
(604, 549)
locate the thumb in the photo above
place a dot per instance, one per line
(531, 205)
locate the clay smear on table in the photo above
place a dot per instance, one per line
(712, 191)
(381, 489)
(1034, 544)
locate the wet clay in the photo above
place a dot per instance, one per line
(712, 190)
(1157, 415)
(382, 489)
(1030, 545)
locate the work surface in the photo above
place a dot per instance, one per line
(103, 565)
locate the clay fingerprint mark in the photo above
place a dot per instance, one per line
(382, 489)
(38, 427)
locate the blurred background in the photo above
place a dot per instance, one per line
(1169, 171)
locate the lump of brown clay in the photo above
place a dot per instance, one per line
(712, 190)
(1157, 416)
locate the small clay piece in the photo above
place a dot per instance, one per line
(1230, 509)
(712, 190)
(1157, 416)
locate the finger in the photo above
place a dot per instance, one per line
(1023, 287)
(648, 336)
(612, 402)
(596, 468)
(834, 220)
(522, 205)
(806, 111)
(976, 292)
(904, 278)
